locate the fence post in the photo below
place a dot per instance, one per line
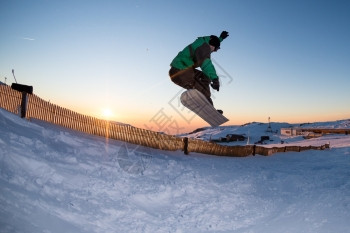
(185, 141)
(24, 104)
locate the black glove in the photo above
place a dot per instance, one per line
(223, 35)
(216, 84)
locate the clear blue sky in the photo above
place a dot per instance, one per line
(288, 60)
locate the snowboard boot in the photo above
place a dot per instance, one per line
(220, 111)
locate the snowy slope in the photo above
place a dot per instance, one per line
(56, 180)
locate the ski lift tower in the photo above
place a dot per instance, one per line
(269, 129)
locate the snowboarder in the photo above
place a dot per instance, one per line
(183, 70)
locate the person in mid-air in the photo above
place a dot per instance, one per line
(183, 70)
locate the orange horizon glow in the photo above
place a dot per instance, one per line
(179, 125)
(184, 127)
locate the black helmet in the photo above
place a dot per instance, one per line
(214, 41)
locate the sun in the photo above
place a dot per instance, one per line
(107, 113)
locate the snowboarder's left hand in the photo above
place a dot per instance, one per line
(223, 35)
(216, 84)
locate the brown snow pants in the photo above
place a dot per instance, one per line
(191, 79)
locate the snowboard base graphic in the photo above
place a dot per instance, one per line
(198, 103)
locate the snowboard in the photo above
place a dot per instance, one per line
(198, 103)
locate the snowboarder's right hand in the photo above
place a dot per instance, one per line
(216, 84)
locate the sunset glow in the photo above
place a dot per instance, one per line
(107, 113)
(288, 60)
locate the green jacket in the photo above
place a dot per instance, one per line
(196, 55)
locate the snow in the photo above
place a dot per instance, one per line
(254, 131)
(58, 180)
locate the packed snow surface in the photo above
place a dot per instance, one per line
(57, 180)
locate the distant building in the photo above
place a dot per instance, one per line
(312, 132)
(291, 132)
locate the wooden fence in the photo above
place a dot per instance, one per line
(326, 131)
(40, 109)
